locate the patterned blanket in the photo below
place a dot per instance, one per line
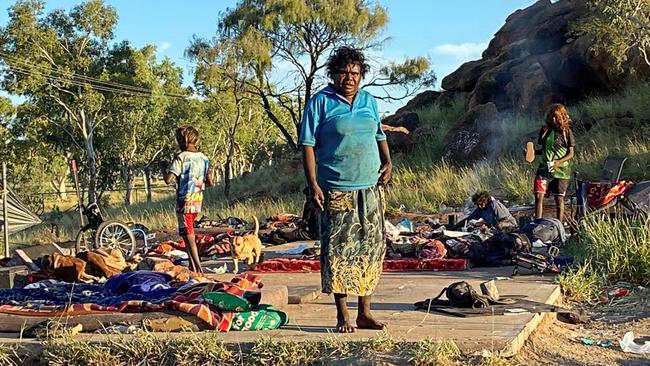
(51, 299)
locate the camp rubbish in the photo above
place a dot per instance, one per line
(629, 346)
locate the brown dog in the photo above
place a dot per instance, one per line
(67, 268)
(247, 247)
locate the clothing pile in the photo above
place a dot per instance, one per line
(285, 228)
(479, 243)
(222, 306)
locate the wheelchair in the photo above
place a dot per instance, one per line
(112, 234)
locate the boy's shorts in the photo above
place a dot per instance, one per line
(554, 186)
(186, 223)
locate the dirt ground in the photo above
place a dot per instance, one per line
(558, 343)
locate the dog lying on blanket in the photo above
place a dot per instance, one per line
(67, 268)
(247, 247)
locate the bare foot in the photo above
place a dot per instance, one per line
(368, 322)
(343, 326)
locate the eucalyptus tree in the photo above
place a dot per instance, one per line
(54, 60)
(620, 29)
(295, 37)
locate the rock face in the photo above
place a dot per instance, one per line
(531, 62)
(400, 127)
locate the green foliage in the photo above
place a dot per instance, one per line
(302, 34)
(620, 29)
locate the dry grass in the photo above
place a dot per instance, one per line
(205, 348)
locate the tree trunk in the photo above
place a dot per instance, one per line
(90, 160)
(58, 183)
(227, 173)
(276, 121)
(147, 183)
(127, 177)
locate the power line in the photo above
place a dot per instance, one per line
(82, 77)
(59, 79)
(82, 80)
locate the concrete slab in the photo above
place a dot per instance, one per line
(393, 304)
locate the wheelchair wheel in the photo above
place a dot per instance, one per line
(114, 234)
(84, 240)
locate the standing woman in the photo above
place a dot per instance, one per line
(557, 148)
(345, 155)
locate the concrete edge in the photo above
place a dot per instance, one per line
(515, 345)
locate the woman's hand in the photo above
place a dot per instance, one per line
(317, 195)
(385, 172)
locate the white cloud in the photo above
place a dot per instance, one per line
(462, 51)
(163, 46)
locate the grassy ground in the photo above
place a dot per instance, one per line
(206, 349)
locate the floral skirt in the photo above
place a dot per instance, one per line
(352, 241)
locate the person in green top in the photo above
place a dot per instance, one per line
(557, 148)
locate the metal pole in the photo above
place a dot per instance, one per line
(5, 211)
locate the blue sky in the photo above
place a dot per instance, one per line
(449, 32)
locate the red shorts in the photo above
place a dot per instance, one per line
(555, 186)
(186, 223)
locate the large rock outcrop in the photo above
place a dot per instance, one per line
(403, 128)
(531, 62)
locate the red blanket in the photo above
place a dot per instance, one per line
(390, 265)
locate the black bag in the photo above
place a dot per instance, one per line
(459, 294)
(462, 295)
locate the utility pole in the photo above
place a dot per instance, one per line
(5, 211)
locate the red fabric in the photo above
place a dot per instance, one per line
(390, 265)
(600, 194)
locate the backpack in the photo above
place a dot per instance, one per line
(459, 294)
(545, 229)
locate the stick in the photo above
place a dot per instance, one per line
(28, 261)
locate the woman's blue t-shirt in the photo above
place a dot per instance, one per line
(344, 137)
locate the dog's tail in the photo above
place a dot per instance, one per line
(257, 225)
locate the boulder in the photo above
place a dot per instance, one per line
(423, 100)
(398, 138)
(470, 139)
(408, 120)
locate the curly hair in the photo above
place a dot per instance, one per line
(344, 56)
(558, 117)
(481, 198)
(186, 135)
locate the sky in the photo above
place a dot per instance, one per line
(448, 32)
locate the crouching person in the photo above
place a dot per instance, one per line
(493, 213)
